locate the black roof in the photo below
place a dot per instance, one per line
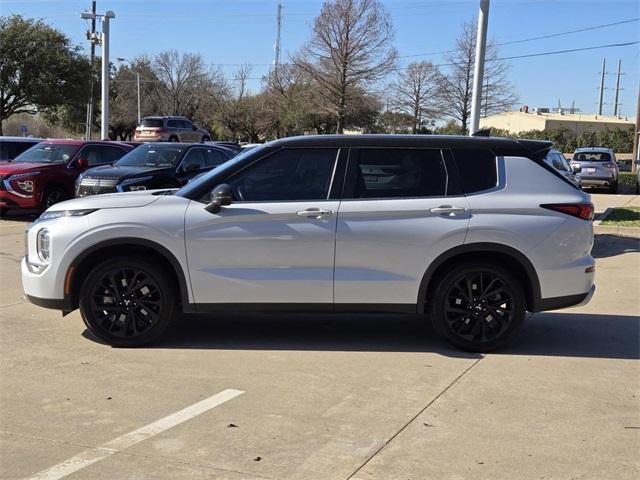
(501, 146)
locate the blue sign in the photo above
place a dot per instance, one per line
(23, 129)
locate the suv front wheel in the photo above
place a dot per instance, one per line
(478, 306)
(127, 302)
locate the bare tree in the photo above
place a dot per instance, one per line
(457, 87)
(417, 92)
(241, 76)
(186, 86)
(350, 46)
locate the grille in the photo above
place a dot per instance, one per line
(96, 186)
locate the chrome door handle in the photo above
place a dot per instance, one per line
(448, 210)
(314, 213)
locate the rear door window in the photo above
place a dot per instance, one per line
(395, 173)
(174, 124)
(477, 169)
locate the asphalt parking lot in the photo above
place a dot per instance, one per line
(321, 397)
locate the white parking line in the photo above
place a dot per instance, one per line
(93, 455)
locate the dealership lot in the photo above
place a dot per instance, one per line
(306, 397)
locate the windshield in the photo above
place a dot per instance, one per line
(151, 122)
(592, 157)
(47, 153)
(152, 155)
(196, 183)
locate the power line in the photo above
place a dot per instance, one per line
(540, 37)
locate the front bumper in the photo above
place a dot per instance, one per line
(8, 200)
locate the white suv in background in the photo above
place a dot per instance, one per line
(471, 232)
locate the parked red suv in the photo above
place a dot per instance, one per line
(45, 174)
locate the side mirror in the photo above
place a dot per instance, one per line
(576, 168)
(221, 195)
(82, 163)
(193, 127)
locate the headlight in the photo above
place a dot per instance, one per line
(22, 182)
(43, 243)
(130, 184)
(22, 175)
(66, 213)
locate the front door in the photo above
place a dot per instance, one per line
(275, 243)
(395, 218)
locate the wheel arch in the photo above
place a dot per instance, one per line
(81, 265)
(515, 260)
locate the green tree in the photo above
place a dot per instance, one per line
(39, 68)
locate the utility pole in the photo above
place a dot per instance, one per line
(615, 98)
(604, 63)
(91, 36)
(636, 137)
(277, 45)
(478, 73)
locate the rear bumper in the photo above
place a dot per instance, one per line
(557, 303)
(597, 181)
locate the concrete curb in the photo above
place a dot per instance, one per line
(631, 232)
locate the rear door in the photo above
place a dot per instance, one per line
(395, 218)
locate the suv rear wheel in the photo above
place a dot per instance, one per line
(127, 302)
(478, 306)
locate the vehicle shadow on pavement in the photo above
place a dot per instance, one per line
(565, 334)
(553, 334)
(611, 245)
(313, 332)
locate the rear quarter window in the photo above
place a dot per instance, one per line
(477, 169)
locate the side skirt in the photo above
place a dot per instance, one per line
(302, 307)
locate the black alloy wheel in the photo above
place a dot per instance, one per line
(126, 302)
(52, 196)
(478, 307)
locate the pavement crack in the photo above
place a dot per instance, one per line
(412, 419)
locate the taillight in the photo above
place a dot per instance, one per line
(583, 211)
(609, 165)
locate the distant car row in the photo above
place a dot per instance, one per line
(50, 171)
(36, 174)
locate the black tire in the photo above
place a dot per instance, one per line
(477, 306)
(206, 138)
(174, 139)
(613, 188)
(3, 212)
(53, 195)
(127, 302)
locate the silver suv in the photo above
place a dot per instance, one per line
(169, 129)
(598, 167)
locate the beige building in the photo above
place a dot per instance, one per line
(516, 122)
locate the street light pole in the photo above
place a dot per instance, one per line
(478, 73)
(104, 131)
(120, 59)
